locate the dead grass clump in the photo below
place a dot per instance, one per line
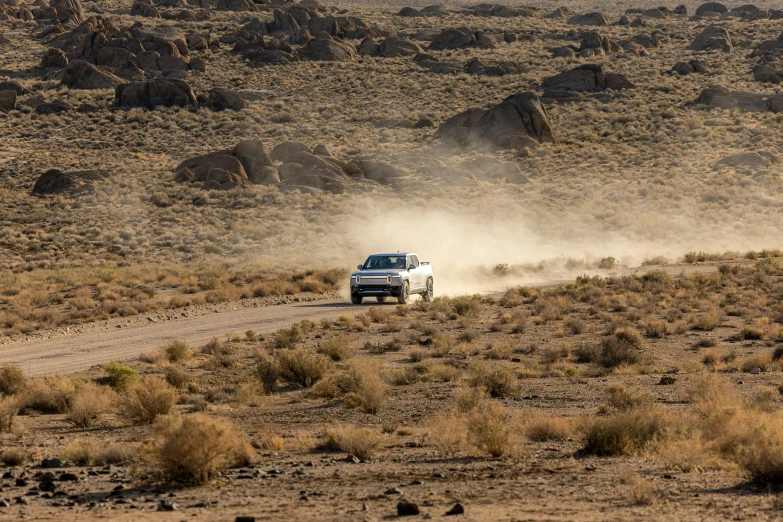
(144, 401)
(496, 379)
(79, 453)
(116, 454)
(448, 434)
(467, 399)
(51, 394)
(542, 428)
(761, 361)
(336, 348)
(416, 354)
(380, 315)
(268, 372)
(9, 408)
(626, 399)
(359, 442)
(12, 379)
(762, 458)
(642, 490)
(176, 377)
(556, 353)
(370, 394)
(500, 350)
(657, 329)
(301, 366)
(466, 306)
(751, 333)
(491, 430)
(708, 322)
(177, 351)
(574, 325)
(625, 433)
(14, 457)
(89, 402)
(440, 373)
(193, 449)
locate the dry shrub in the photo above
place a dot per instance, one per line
(176, 377)
(621, 348)
(708, 322)
(121, 375)
(499, 381)
(466, 306)
(688, 453)
(336, 348)
(642, 490)
(379, 315)
(143, 402)
(441, 373)
(542, 428)
(79, 452)
(270, 440)
(370, 394)
(359, 442)
(751, 333)
(267, 371)
(416, 354)
(761, 361)
(625, 433)
(626, 399)
(301, 366)
(657, 329)
(115, 454)
(762, 458)
(216, 348)
(89, 402)
(9, 408)
(177, 351)
(448, 434)
(467, 399)
(556, 353)
(193, 449)
(500, 350)
(14, 457)
(287, 338)
(51, 394)
(491, 430)
(574, 325)
(12, 380)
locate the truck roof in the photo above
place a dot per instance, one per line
(395, 254)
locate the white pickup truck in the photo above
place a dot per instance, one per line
(392, 275)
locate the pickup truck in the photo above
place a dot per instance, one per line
(392, 275)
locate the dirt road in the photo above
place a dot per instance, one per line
(117, 339)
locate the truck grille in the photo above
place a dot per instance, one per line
(374, 280)
(374, 288)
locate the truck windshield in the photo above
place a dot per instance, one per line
(381, 262)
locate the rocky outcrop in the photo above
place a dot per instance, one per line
(690, 67)
(710, 8)
(590, 19)
(758, 159)
(712, 38)
(83, 75)
(326, 48)
(519, 121)
(7, 100)
(461, 38)
(586, 78)
(155, 93)
(55, 181)
(722, 98)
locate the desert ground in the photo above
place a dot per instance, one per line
(186, 185)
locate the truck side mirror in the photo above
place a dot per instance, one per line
(411, 267)
(359, 267)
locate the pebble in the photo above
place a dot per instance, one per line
(457, 509)
(166, 506)
(392, 491)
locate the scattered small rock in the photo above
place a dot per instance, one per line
(457, 509)
(406, 508)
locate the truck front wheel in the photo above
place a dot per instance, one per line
(356, 299)
(405, 293)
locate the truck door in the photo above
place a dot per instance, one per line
(417, 276)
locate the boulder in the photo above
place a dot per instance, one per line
(286, 150)
(586, 78)
(54, 59)
(656, 13)
(561, 13)
(394, 47)
(219, 100)
(145, 10)
(434, 10)
(681, 10)
(510, 124)
(13, 86)
(83, 42)
(54, 107)
(711, 7)
(453, 39)
(83, 75)
(593, 19)
(410, 12)
(369, 47)
(7, 100)
(253, 158)
(563, 52)
(154, 93)
(690, 67)
(236, 5)
(325, 48)
(594, 40)
(712, 38)
(722, 98)
(55, 181)
(266, 176)
(750, 159)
